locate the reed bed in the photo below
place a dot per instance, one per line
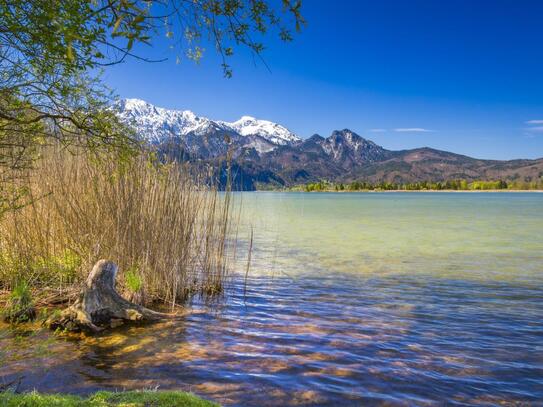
(167, 231)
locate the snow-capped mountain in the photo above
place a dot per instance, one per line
(273, 132)
(158, 125)
(266, 153)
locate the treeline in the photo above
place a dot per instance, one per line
(451, 185)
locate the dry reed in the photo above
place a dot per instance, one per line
(162, 227)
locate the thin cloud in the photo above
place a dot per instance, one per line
(378, 130)
(537, 129)
(413, 130)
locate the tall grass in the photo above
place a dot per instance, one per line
(161, 225)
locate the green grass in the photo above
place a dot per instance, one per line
(19, 307)
(103, 398)
(133, 280)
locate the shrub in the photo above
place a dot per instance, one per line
(133, 280)
(20, 307)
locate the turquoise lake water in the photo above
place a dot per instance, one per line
(351, 299)
(474, 236)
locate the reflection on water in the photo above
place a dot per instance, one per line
(336, 314)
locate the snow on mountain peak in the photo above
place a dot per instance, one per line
(133, 103)
(273, 132)
(157, 124)
(247, 119)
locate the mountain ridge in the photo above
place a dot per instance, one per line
(161, 124)
(267, 153)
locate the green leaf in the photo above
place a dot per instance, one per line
(118, 23)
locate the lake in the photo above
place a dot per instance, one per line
(351, 298)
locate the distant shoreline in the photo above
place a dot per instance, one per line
(407, 191)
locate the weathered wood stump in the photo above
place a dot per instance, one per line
(100, 306)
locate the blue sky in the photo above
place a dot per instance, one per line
(464, 76)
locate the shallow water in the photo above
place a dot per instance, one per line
(370, 298)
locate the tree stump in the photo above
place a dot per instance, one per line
(100, 306)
